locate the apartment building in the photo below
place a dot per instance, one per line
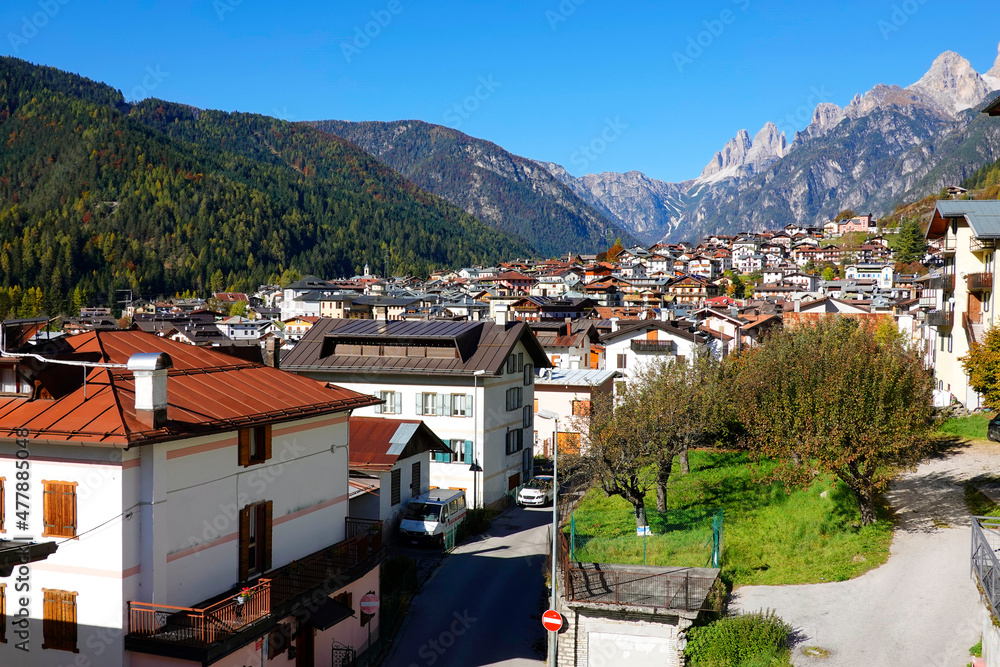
(472, 384)
(961, 302)
(198, 504)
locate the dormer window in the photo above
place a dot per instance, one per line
(12, 383)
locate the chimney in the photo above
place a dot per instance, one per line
(272, 352)
(798, 305)
(569, 326)
(614, 324)
(149, 369)
(501, 314)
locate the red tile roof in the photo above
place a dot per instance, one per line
(377, 443)
(207, 392)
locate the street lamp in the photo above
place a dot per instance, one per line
(474, 467)
(548, 414)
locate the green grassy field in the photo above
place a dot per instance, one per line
(972, 427)
(771, 536)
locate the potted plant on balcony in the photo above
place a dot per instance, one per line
(242, 596)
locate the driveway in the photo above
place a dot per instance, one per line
(483, 605)
(921, 607)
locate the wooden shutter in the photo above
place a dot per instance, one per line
(59, 620)
(3, 502)
(397, 402)
(59, 509)
(3, 613)
(244, 544)
(415, 479)
(244, 448)
(394, 483)
(468, 452)
(265, 535)
(267, 441)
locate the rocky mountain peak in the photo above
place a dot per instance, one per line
(742, 155)
(992, 75)
(951, 84)
(732, 155)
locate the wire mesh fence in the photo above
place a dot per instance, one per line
(688, 537)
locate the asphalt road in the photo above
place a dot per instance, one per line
(483, 605)
(921, 607)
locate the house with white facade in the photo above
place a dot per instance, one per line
(569, 394)
(390, 464)
(239, 328)
(962, 300)
(636, 344)
(471, 383)
(183, 488)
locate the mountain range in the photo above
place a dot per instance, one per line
(887, 146)
(507, 192)
(97, 194)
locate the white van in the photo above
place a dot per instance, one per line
(430, 515)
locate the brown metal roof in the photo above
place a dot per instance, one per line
(482, 346)
(377, 443)
(207, 391)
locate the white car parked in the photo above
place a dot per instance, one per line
(537, 492)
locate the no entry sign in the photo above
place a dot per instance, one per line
(369, 604)
(552, 620)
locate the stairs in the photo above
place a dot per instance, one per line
(978, 332)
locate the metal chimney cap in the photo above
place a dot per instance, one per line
(149, 361)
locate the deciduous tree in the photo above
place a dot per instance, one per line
(982, 365)
(832, 397)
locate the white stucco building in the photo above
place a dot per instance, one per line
(171, 480)
(471, 383)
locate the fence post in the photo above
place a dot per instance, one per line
(572, 535)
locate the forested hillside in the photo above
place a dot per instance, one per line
(504, 190)
(97, 195)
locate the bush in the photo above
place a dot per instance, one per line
(758, 639)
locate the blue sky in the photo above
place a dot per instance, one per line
(594, 85)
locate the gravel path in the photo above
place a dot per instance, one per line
(921, 607)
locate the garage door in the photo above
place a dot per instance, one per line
(607, 650)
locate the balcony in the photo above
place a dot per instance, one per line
(928, 302)
(940, 318)
(942, 282)
(979, 282)
(979, 245)
(218, 626)
(656, 346)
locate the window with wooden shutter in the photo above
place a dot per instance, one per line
(59, 509)
(394, 497)
(346, 598)
(279, 640)
(415, 479)
(256, 526)
(254, 445)
(581, 408)
(59, 620)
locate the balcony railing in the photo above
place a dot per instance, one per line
(940, 318)
(660, 346)
(928, 301)
(979, 282)
(203, 626)
(946, 282)
(640, 586)
(200, 632)
(984, 562)
(978, 245)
